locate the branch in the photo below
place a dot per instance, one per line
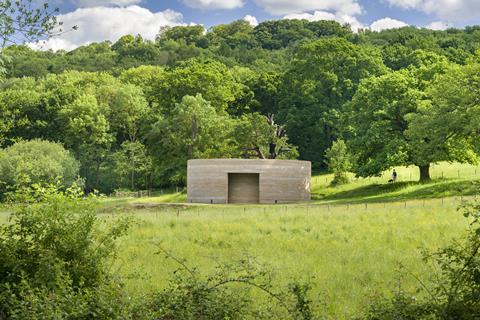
(177, 260)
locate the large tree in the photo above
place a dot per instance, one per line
(376, 122)
(258, 136)
(413, 117)
(447, 126)
(194, 129)
(323, 76)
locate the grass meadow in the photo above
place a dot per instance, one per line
(350, 241)
(352, 253)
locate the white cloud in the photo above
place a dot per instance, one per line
(214, 4)
(108, 23)
(454, 10)
(101, 3)
(387, 23)
(286, 7)
(405, 4)
(251, 19)
(324, 15)
(438, 25)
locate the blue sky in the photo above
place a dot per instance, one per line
(100, 20)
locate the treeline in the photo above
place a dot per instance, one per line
(133, 112)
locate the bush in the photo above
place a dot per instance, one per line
(232, 292)
(338, 161)
(55, 259)
(30, 162)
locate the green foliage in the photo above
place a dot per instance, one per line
(307, 74)
(450, 117)
(36, 162)
(322, 77)
(396, 119)
(26, 21)
(377, 124)
(259, 137)
(56, 257)
(188, 34)
(211, 79)
(282, 33)
(338, 161)
(227, 293)
(132, 166)
(195, 129)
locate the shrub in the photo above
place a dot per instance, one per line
(231, 292)
(55, 259)
(338, 161)
(29, 162)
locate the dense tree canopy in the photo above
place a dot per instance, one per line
(322, 77)
(134, 111)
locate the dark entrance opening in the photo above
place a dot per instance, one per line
(243, 188)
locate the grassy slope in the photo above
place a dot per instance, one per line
(447, 180)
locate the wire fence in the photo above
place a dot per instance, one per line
(225, 211)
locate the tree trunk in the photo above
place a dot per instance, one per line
(424, 173)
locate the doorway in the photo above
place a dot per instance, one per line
(243, 188)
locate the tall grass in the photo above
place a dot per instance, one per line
(351, 252)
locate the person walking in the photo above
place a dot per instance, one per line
(394, 176)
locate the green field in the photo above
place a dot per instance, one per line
(350, 241)
(351, 252)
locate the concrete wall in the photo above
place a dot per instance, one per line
(279, 181)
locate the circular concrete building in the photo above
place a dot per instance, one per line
(223, 181)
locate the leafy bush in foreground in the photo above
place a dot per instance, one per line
(231, 292)
(55, 259)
